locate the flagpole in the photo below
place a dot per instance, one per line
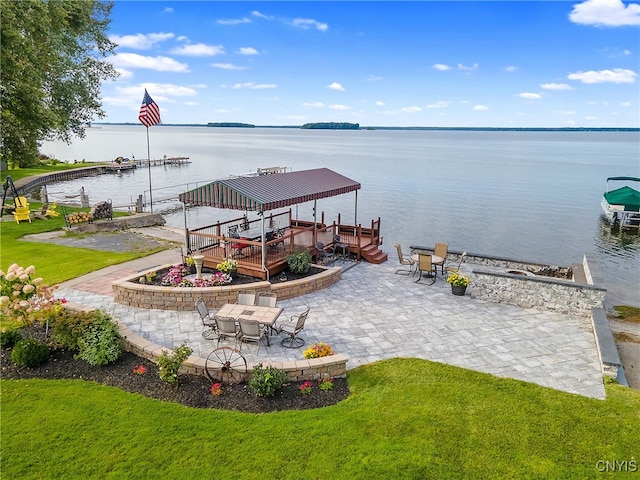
(149, 166)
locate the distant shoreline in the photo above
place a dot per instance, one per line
(373, 127)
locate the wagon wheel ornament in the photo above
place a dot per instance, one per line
(226, 364)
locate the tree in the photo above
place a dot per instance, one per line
(52, 61)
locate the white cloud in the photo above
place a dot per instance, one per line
(335, 86)
(511, 68)
(617, 75)
(530, 96)
(412, 109)
(442, 67)
(167, 10)
(124, 73)
(468, 69)
(625, 104)
(306, 23)
(607, 13)
(140, 41)
(160, 64)
(439, 104)
(339, 107)
(248, 51)
(313, 104)
(481, 108)
(227, 66)
(161, 93)
(198, 50)
(591, 117)
(254, 86)
(565, 112)
(373, 78)
(233, 21)
(380, 104)
(556, 86)
(256, 13)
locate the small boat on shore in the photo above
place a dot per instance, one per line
(622, 205)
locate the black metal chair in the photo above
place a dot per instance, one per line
(292, 329)
(343, 247)
(322, 255)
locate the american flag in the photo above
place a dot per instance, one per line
(149, 111)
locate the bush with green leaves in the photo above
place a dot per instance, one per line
(101, 342)
(9, 337)
(299, 262)
(169, 364)
(265, 382)
(30, 352)
(67, 328)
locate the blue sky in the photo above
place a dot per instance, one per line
(440, 64)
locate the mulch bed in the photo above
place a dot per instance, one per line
(191, 390)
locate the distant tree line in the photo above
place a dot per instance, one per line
(333, 125)
(230, 124)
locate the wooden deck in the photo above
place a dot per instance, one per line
(215, 243)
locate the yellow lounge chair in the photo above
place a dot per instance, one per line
(22, 214)
(51, 212)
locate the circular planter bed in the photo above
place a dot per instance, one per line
(152, 295)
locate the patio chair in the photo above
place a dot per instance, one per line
(322, 256)
(237, 247)
(455, 267)
(267, 299)
(22, 213)
(42, 214)
(292, 328)
(246, 297)
(337, 244)
(252, 331)
(226, 328)
(441, 251)
(426, 265)
(51, 212)
(208, 322)
(404, 260)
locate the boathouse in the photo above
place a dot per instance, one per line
(261, 245)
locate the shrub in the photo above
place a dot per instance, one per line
(299, 262)
(168, 365)
(21, 296)
(30, 352)
(69, 327)
(101, 342)
(266, 381)
(9, 337)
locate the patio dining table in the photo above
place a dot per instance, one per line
(257, 313)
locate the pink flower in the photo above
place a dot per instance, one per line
(139, 370)
(216, 389)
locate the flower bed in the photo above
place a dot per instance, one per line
(130, 291)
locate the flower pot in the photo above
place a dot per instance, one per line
(458, 290)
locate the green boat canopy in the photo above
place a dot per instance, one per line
(626, 196)
(260, 193)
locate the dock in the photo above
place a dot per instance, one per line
(161, 161)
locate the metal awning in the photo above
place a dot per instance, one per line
(267, 192)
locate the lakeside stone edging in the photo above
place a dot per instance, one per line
(492, 282)
(334, 366)
(572, 297)
(128, 291)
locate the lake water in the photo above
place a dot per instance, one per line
(527, 195)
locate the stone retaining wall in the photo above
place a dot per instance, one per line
(537, 291)
(312, 369)
(129, 292)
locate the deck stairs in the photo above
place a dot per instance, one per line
(372, 254)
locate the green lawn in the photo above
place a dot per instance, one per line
(405, 419)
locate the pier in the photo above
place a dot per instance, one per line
(161, 161)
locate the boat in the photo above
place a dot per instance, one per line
(622, 205)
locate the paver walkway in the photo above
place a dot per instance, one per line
(373, 314)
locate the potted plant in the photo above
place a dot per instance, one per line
(228, 265)
(459, 283)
